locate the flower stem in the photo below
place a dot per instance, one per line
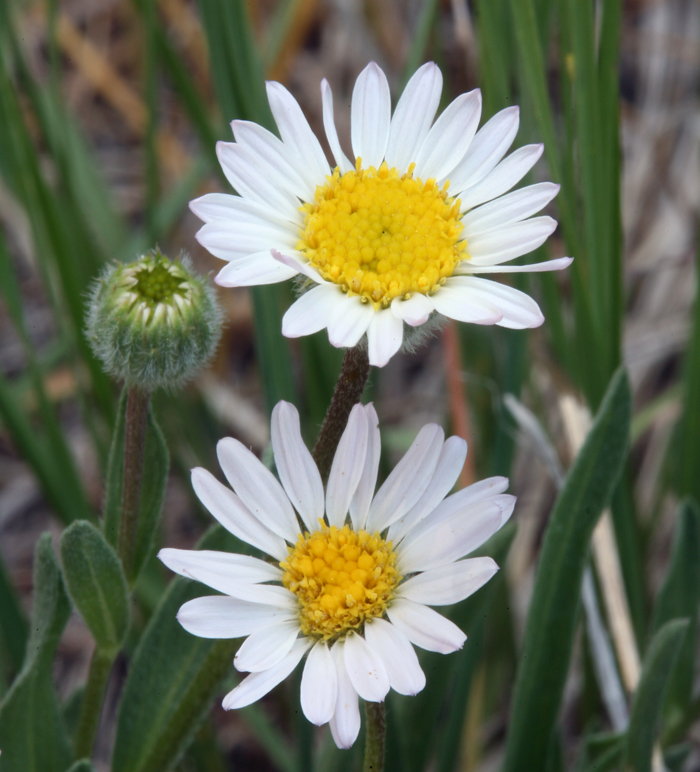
(91, 708)
(134, 439)
(374, 738)
(348, 392)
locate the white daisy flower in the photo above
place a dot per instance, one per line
(352, 573)
(393, 237)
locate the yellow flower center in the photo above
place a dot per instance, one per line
(341, 578)
(382, 234)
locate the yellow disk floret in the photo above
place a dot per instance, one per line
(341, 578)
(382, 234)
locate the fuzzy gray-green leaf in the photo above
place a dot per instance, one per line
(172, 681)
(96, 583)
(32, 736)
(551, 623)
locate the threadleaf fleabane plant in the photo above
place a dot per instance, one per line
(394, 237)
(353, 573)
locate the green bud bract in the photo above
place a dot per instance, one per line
(153, 322)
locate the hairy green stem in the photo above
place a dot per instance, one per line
(374, 737)
(91, 708)
(134, 439)
(352, 380)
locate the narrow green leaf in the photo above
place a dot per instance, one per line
(601, 750)
(14, 630)
(156, 463)
(96, 583)
(688, 479)
(551, 623)
(172, 680)
(648, 700)
(680, 597)
(32, 736)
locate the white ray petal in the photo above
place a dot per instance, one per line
(518, 310)
(240, 568)
(241, 170)
(451, 538)
(425, 628)
(499, 245)
(300, 264)
(449, 465)
(359, 506)
(384, 337)
(449, 138)
(341, 159)
(349, 321)
(414, 311)
(448, 584)
(488, 147)
(408, 480)
(319, 685)
(311, 312)
(465, 268)
(304, 148)
(397, 654)
(365, 669)
(295, 466)
(273, 157)
(370, 116)
(502, 178)
(217, 616)
(347, 468)
(232, 513)
(345, 724)
(257, 685)
(264, 648)
(451, 302)
(513, 207)
(231, 240)
(258, 488)
(213, 207)
(413, 116)
(252, 270)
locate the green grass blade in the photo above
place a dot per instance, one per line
(679, 597)
(553, 613)
(648, 701)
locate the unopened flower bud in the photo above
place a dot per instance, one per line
(153, 322)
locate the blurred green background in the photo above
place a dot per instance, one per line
(109, 114)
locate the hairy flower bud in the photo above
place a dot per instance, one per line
(153, 322)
